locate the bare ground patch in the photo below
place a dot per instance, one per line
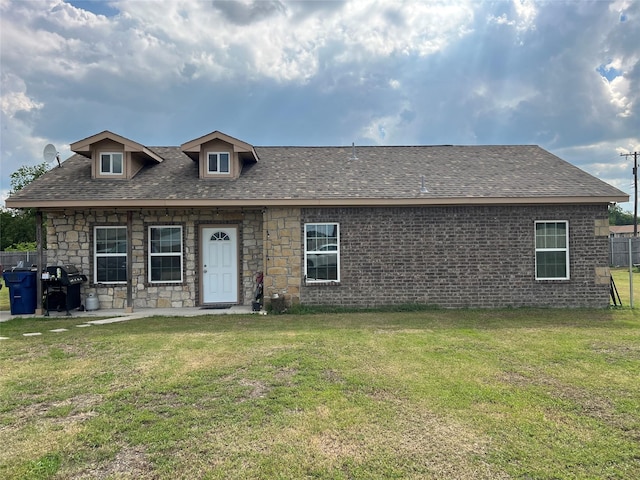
(437, 446)
(595, 406)
(257, 389)
(129, 463)
(78, 408)
(260, 388)
(57, 418)
(617, 352)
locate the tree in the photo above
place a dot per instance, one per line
(18, 227)
(617, 216)
(25, 175)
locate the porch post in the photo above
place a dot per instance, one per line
(39, 262)
(129, 307)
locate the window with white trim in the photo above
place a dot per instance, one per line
(110, 255)
(552, 250)
(165, 253)
(322, 252)
(111, 163)
(218, 162)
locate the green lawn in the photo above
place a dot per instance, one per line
(519, 393)
(4, 297)
(622, 282)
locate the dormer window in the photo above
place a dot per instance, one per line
(219, 156)
(218, 162)
(111, 163)
(114, 157)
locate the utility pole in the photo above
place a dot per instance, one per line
(635, 190)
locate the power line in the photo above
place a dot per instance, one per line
(635, 190)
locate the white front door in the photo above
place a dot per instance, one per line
(219, 265)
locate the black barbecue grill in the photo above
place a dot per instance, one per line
(62, 288)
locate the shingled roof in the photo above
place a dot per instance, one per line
(316, 176)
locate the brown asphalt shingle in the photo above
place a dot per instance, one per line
(309, 174)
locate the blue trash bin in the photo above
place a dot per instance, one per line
(23, 290)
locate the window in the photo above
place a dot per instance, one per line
(111, 163)
(552, 250)
(322, 252)
(165, 254)
(110, 257)
(220, 237)
(218, 162)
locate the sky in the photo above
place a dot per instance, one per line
(564, 75)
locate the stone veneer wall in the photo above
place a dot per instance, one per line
(70, 241)
(251, 252)
(465, 256)
(283, 254)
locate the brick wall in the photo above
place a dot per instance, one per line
(460, 257)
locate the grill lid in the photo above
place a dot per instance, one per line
(68, 270)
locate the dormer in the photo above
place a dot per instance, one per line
(219, 156)
(114, 157)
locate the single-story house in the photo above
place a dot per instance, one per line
(450, 226)
(621, 231)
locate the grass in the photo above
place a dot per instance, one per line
(4, 297)
(519, 393)
(622, 282)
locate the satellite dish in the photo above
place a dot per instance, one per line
(50, 154)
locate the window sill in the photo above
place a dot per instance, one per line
(322, 283)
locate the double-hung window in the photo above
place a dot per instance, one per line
(110, 254)
(552, 250)
(322, 252)
(218, 162)
(165, 254)
(111, 163)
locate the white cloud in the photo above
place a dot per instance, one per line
(391, 129)
(604, 160)
(521, 17)
(18, 145)
(618, 90)
(14, 98)
(526, 12)
(275, 40)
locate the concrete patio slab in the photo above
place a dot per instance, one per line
(119, 315)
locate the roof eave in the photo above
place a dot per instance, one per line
(83, 147)
(192, 147)
(311, 202)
